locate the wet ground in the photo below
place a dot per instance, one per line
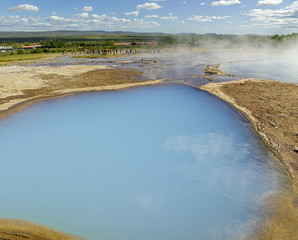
(176, 67)
(188, 66)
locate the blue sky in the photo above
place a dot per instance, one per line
(170, 16)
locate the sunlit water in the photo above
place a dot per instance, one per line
(285, 70)
(167, 162)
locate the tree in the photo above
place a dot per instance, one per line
(52, 43)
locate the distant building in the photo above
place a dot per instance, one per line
(121, 44)
(28, 47)
(5, 47)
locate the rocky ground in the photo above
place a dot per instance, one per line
(11, 229)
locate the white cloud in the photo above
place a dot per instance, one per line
(84, 15)
(207, 18)
(144, 24)
(23, 8)
(184, 3)
(286, 17)
(87, 9)
(213, 148)
(169, 18)
(134, 13)
(202, 4)
(146, 202)
(208, 144)
(76, 8)
(225, 3)
(105, 18)
(158, 0)
(81, 20)
(17, 23)
(151, 16)
(102, 17)
(149, 6)
(54, 13)
(269, 2)
(56, 18)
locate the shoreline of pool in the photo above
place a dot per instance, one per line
(21, 86)
(21, 103)
(281, 224)
(21, 229)
(282, 153)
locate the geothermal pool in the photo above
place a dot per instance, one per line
(160, 162)
(282, 69)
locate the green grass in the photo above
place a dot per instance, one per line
(25, 57)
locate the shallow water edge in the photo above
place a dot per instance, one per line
(281, 219)
(25, 102)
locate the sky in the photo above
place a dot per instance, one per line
(266, 17)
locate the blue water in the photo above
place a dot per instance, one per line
(282, 69)
(166, 162)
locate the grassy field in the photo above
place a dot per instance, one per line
(25, 57)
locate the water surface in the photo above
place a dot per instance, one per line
(162, 162)
(283, 69)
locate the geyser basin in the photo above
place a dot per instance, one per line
(166, 162)
(282, 69)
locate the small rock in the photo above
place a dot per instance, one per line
(273, 124)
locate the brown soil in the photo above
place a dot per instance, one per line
(280, 222)
(215, 70)
(207, 77)
(11, 229)
(273, 111)
(92, 78)
(24, 92)
(274, 106)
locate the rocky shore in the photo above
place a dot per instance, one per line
(11, 229)
(22, 85)
(272, 109)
